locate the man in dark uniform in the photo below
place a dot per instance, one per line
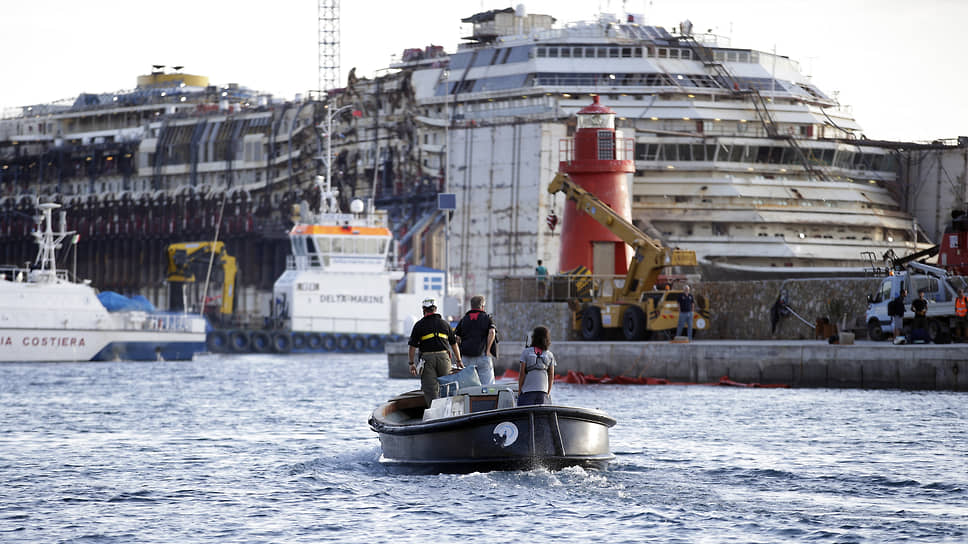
(686, 301)
(431, 335)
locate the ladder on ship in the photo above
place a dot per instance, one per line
(708, 59)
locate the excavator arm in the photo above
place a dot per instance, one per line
(188, 259)
(649, 257)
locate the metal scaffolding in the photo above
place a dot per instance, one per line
(328, 44)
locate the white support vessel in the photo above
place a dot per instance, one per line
(44, 316)
(337, 290)
(341, 290)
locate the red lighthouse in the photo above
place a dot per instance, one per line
(599, 163)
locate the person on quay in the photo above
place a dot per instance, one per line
(431, 336)
(895, 309)
(686, 303)
(961, 311)
(536, 372)
(476, 332)
(919, 327)
(541, 273)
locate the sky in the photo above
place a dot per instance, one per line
(897, 64)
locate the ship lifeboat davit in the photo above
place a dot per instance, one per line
(600, 162)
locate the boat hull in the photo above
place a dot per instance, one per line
(59, 345)
(527, 437)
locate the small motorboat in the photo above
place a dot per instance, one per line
(480, 429)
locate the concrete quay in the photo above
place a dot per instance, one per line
(797, 363)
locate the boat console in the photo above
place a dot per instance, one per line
(472, 399)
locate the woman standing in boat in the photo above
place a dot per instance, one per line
(537, 370)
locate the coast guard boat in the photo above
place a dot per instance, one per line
(44, 316)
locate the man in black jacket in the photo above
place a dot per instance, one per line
(431, 335)
(919, 325)
(476, 331)
(895, 309)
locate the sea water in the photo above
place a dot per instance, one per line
(277, 449)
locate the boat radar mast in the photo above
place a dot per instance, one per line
(48, 241)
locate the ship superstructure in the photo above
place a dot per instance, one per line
(738, 156)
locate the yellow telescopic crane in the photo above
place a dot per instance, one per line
(635, 305)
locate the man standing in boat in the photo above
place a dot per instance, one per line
(431, 335)
(476, 331)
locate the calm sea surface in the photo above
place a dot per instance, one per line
(273, 449)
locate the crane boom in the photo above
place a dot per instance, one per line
(183, 260)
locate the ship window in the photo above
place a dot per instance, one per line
(565, 52)
(577, 52)
(520, 53)
(673, 53)
(602, 52)
(553, 52)
(542, 52)
(590, 52)
(638, 52)
(613, 52)
(663, 53)
(685, 54)
(699, 152)
(685, 153)
(626, 52)
(485, 58)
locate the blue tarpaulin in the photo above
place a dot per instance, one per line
(116, 302)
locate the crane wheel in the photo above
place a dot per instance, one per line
(633, 323)
(591, 323)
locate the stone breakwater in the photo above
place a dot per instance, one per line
(807, 363)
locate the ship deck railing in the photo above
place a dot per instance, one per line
(22, 274)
